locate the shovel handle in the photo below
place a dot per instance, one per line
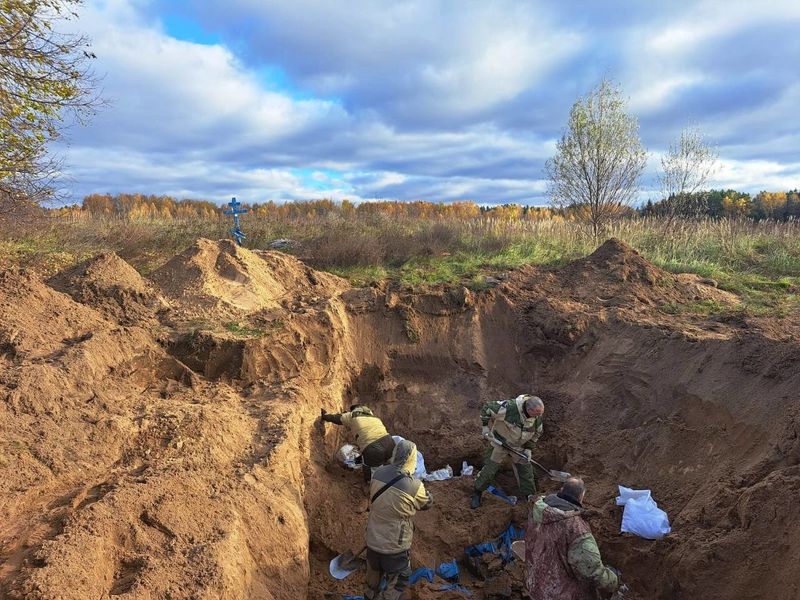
(556, 475)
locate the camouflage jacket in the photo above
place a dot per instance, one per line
(511, 425)
(562, 561)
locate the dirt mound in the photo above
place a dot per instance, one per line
(230, 280)
(36, 321)
(617, 261)
(110, 285)
(613, 276)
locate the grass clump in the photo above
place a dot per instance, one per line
(243, 331)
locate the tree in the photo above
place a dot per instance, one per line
(599, 158)
(736, 205)
(686, 169)
(45, 82)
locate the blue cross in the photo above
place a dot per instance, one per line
(236, 210)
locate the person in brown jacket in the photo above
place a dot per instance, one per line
(562, 561)
(395, 497)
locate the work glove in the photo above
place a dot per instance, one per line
(528, 453)
(486, 432)
(621, 593)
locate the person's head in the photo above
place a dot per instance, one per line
(355, 406)
(405, 456)
(574, 488)
(534, 407)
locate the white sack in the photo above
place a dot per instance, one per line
(642, 516)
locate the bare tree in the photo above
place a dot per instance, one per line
(599, 158)
(45, 81)
(686, 169)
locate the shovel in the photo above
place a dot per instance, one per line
(561, 476)
(346, 564)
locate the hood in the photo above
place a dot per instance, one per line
(405, 456)
(520, 402)
(361, 410)
(556, 509)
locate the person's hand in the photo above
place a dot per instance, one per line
(528, 453)
(485, 432)
(621, 593)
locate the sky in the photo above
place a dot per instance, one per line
(435, 100)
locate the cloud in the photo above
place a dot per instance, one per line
(434, 99)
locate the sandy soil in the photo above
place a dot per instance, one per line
(148, 449)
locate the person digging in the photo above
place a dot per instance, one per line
(395, 497)
(516, 424)
(368, 433)
(562, 560)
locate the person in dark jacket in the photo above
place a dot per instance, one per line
(368, 433)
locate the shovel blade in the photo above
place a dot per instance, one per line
(561, 476)
(344, 565)
(518, 548)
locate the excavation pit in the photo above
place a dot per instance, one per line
(184, 458)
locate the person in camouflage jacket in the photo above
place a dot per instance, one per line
(562, 560)
(518, 424)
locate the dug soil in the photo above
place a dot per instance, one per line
(161, 438)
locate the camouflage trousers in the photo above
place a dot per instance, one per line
(493, 459)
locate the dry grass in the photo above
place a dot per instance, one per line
(759, 260)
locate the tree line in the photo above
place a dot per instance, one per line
(778, 206)
(775, 206)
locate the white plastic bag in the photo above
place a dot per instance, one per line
(642, 516)
(439, 474)
(347, 455)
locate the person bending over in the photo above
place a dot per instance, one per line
(368, 433)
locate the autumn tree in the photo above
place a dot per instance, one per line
(599, 158)
(45, 82)
(736, 205)
(686, 169)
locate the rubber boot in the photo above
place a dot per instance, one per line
(475, 501)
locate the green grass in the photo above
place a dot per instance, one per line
(243, 331)
(760, 262)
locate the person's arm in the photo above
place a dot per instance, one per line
(531, 443)
(584, 558)
(423, 499)
(489, 410)
(335, 418)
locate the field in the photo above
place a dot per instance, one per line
(760, 261)
(160, 392)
